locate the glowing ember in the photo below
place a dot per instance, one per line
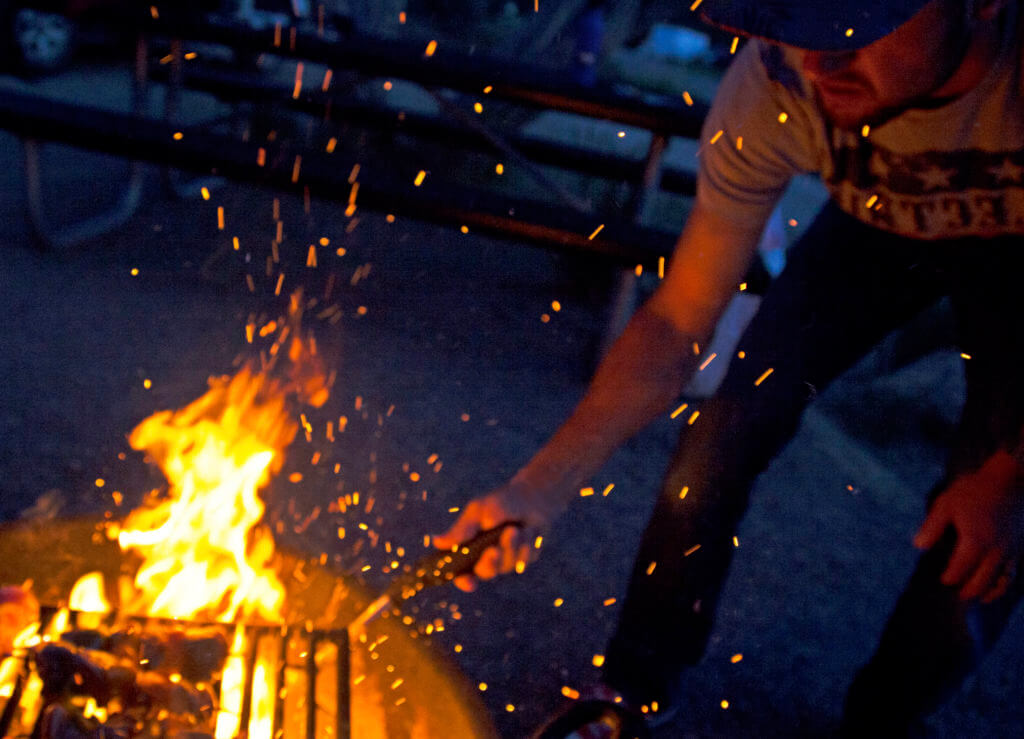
(88, 597)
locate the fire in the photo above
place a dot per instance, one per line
(203, 555)
(88, 598)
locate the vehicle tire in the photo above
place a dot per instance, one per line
(40, 41)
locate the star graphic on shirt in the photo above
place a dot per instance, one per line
(878, 166)
(935, 178)
(1007, 171)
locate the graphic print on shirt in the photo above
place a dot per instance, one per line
(931, 194)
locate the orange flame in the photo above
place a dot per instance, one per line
(203, 555)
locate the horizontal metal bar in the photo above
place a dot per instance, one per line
(384, 186)
(237, 85)
(455, 69)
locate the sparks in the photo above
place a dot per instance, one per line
(691, 550)
(763, 377)
(297, 89)
(431, 48)
(679, 410)
(687, 98)
(596, 232)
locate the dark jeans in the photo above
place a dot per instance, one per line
(845, 287)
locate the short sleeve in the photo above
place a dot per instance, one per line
(760, 132)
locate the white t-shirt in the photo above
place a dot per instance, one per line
(948, 172)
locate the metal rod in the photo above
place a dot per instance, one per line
(311, 686)
(7, 717)
(282, 665)
(343, 715)
(250, 672)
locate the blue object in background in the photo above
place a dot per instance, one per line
(589, 28)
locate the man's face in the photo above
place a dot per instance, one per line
(897, 72)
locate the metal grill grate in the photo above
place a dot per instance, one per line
(309, 686)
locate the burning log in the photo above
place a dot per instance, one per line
(144, 700)
(195, 655)
(60, 723)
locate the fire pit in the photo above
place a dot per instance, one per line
(385, 681)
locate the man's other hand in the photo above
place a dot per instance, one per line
(986, 509)
(534, 509)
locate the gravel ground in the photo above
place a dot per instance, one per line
(452, 338)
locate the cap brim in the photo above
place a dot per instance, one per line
(807, 24)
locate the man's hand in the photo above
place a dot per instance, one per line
(535, 509)
(986, 509)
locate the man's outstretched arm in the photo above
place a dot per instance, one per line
(643, 373)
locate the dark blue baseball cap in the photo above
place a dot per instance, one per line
(817, 25)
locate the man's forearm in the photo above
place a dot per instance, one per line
(643, 373)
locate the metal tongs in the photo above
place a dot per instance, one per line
(434, 568)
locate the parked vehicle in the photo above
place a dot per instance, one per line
(40, 36)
